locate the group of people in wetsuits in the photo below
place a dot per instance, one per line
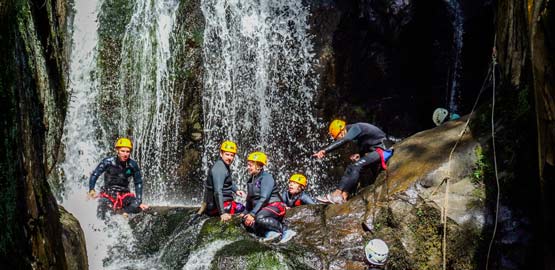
(265, 207)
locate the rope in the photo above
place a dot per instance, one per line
(494, 164)
(491, 73)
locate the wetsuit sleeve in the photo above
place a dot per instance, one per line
(266, 186)
(218, 178)
(306, 199)
(352, 133)
(138, 181)
(96, 173)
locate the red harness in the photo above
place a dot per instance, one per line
(298, 202)
(279, 205)
(226, 204)
(117, 203)
(380, 152)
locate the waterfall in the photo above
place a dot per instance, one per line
(259, 84)
(151, 109)
(83, 145)
(456, 14)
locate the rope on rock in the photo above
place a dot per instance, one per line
(494, 57)
(490, 76)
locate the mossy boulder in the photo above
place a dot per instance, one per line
(73, 239)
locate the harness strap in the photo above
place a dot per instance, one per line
(117, 203)
(380, 152)
(298, 202)
(279, 205)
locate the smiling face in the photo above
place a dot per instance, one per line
(123, 153)
(227, 157)
(294, 188)
(253, 167)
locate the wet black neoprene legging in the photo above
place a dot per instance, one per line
(350, 177)
(268, 219)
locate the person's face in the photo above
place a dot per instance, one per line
(227, 157)
(253, 168)
(295, 188)
(123, 153)
(341, 134)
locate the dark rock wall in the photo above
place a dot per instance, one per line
(388, 62)
(33, 98)
(526, 42)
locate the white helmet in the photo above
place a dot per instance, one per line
(376, 251)
(439, 116)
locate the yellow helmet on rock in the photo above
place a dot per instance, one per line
(336, 127)
(258, 157)
(299, 179)
(124, 142)
(229, 146)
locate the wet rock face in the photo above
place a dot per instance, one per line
(403, 207)
(74, 241)
(33, 98)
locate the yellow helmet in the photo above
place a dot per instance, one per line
(229, 146)
(336, 127)
(299, 179)
(124, 142)
(258, 157)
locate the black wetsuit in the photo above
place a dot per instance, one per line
(264, 203)
(297, 200)
(116, 182)
(368, 137)
(219, 189)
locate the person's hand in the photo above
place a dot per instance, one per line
(225, 217)
(355, 157)
(249, 220)
(241, 193)
(320, 154)
(143, 206)
(91, 194)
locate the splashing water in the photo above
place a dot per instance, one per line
(201, 259)
(151, 110)
(260, 85)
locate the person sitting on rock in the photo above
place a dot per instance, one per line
(219, 187)
(294, 194)
(265, 212)
(115, 193)
(371, 150)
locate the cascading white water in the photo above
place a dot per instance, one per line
(458, 31)
(83, 143)
(145, 56)
(151, 111)
(259, 83)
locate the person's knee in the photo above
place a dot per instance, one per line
(133, 206)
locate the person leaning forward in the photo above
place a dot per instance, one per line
(219, 187)
(370, 143)
(115, 193)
